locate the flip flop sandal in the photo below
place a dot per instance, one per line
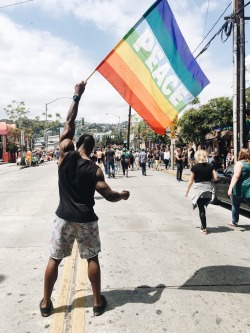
(233, 224)
(98, 310)
(46, 312)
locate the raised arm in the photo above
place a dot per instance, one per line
(66, 143)
(103, 188)
(69, 127)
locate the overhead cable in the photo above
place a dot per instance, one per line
(212, 27)
(226, 28)
(17, 3)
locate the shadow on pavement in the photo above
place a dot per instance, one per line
(214, 230)
(246, 227)
(230, 279)
(2, 278)
(117, 298)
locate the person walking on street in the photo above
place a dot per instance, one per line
(150, 159)
(166, 157)
(99, 157)
(118, 154)
(239, 187)
(125, 162)
(110, 160)
(131, 159)
(79, 177)
(137, 162)
(105, 161)
(157, 158)
(202, 173)
(191, 157)
(143, 161)
(179, 164)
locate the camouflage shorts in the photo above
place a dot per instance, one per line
(64, 234)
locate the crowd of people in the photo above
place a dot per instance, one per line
(37, 156)
(81, 173)
(113, 159)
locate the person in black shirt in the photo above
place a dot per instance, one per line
(202, 173)
(79, 177)
(179, 164)
(110, 160)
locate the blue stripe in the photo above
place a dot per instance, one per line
(182, 48)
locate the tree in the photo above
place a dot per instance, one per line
(193, 126)
(17, 112)
(213, 117)
(33, 128)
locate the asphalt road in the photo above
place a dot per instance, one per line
(159, 273)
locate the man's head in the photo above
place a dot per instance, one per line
(86, 142)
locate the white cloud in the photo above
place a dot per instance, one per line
(38, 68)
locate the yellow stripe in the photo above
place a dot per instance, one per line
(62, 299)
(143, 74)
(78, 313)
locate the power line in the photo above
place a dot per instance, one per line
(212, 27)
(14, 4)
(226, 27)
(208, 3)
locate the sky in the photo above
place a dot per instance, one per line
(47, 46)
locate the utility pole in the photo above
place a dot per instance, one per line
(129, 121)
(239, 95)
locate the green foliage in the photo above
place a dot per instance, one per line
(248, 101)
(11, 147)
(16, 111)
(17, 114)
(212, 117)
(144, 131)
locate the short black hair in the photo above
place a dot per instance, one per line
(87, 141)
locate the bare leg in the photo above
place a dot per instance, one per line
(94, 274)
(50, 278)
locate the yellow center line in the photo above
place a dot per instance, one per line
(78, 313)
(173, 172)
(58, 321)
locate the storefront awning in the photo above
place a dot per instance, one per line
(3, 128)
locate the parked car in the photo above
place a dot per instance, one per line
(222, 185)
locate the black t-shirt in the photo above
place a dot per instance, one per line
(179, 160)
(203, 172)
(157, 155)
(77, 182)
(110, 155)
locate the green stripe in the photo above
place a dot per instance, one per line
(142, 54)
(165, 40)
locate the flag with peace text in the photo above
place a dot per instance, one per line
(153, 69)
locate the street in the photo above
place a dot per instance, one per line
(159, 273)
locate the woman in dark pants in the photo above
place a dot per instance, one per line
(202, 173)
(240, 184)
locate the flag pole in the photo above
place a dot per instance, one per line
(90, 76)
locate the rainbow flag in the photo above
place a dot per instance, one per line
(153, 69)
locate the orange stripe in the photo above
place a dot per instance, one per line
(132, 81)
(118, 83)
